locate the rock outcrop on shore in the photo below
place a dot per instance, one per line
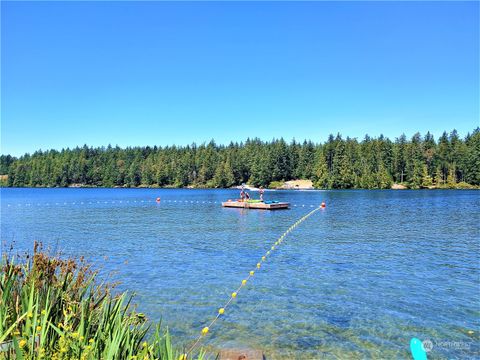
(297, 185)
(399, 187)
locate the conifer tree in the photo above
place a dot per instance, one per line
(451, 178)
(320, 171)
(426, 178)
(439, 181)
(472, 158)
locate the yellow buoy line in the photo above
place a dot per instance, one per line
(234, 294)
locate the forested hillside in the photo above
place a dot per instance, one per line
(339, 163)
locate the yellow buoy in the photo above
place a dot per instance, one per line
(221, 311)
(244, 282)
(234, 295)
(252, 272)
(205, 330)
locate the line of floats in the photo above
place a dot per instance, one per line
(245, 204)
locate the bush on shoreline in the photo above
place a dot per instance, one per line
(52, 308)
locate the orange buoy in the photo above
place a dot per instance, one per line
(158, 199)
(323, 204)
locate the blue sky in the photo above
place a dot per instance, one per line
(157, 73)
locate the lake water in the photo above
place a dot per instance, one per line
(358, 279)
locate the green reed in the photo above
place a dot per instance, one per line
(52, 308)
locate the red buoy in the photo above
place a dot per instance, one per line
(323, 205)
(158, 199)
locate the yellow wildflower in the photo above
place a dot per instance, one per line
(43, 312)
(91, 341)
(30, 315)
(144, 344)
(22, 343)
(39, 328)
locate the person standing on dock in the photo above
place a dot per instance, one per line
(261, 191)
(242, 193)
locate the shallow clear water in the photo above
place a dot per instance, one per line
(356, 280)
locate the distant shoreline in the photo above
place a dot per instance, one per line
(338, 163)
(190, 187)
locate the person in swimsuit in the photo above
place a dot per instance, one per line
(242, 193)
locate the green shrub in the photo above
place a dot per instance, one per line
(464, 185)
(275, 184)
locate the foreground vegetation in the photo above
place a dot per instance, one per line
(52, 309)
(421, 162)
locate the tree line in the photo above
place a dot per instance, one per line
(338, 163)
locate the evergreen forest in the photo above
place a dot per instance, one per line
(339, 163)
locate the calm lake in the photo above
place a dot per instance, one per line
(358, 279)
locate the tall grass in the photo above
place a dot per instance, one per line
(52, 308)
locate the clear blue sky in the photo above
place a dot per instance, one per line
(155, 73)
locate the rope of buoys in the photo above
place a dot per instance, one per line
(205, 330)
(157, 200)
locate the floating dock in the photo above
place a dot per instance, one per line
(260, 205)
